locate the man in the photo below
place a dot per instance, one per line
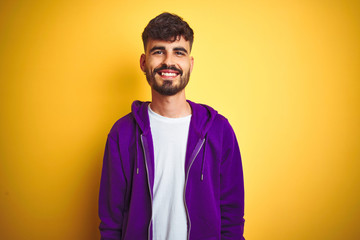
(172, 168)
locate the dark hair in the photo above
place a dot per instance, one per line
(167, 27)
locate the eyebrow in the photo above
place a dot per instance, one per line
(180, 49)
(157, 48)
(163, 48)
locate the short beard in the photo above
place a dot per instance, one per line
(167, 88)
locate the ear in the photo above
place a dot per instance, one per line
(191, 63)
(142, 62)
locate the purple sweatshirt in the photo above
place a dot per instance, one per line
(214, 187)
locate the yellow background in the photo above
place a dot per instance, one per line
(285, 73)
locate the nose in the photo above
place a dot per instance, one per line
(168, 59)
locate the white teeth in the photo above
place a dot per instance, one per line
(168, 74)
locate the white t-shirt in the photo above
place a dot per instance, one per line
(170, 139)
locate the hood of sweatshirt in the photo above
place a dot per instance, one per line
(201, 119)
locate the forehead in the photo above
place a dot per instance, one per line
(168, 45)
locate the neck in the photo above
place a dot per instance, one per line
(170, 106)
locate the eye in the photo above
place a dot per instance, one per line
(157, 52)
(180, 53)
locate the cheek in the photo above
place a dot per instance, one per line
(186, 65)
(154, 64)
(154, 61)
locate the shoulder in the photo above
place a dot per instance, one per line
(220, 119)
(123, 126)
(221, 122)
(208, 119)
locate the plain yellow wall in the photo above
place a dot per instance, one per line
(285, 73)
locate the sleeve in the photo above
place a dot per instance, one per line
(231, 188)
(112, 192)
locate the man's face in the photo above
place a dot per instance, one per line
(167, 65)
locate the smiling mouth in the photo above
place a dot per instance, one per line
(168, 74)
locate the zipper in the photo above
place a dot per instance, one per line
(187, 176)
(147, 171)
